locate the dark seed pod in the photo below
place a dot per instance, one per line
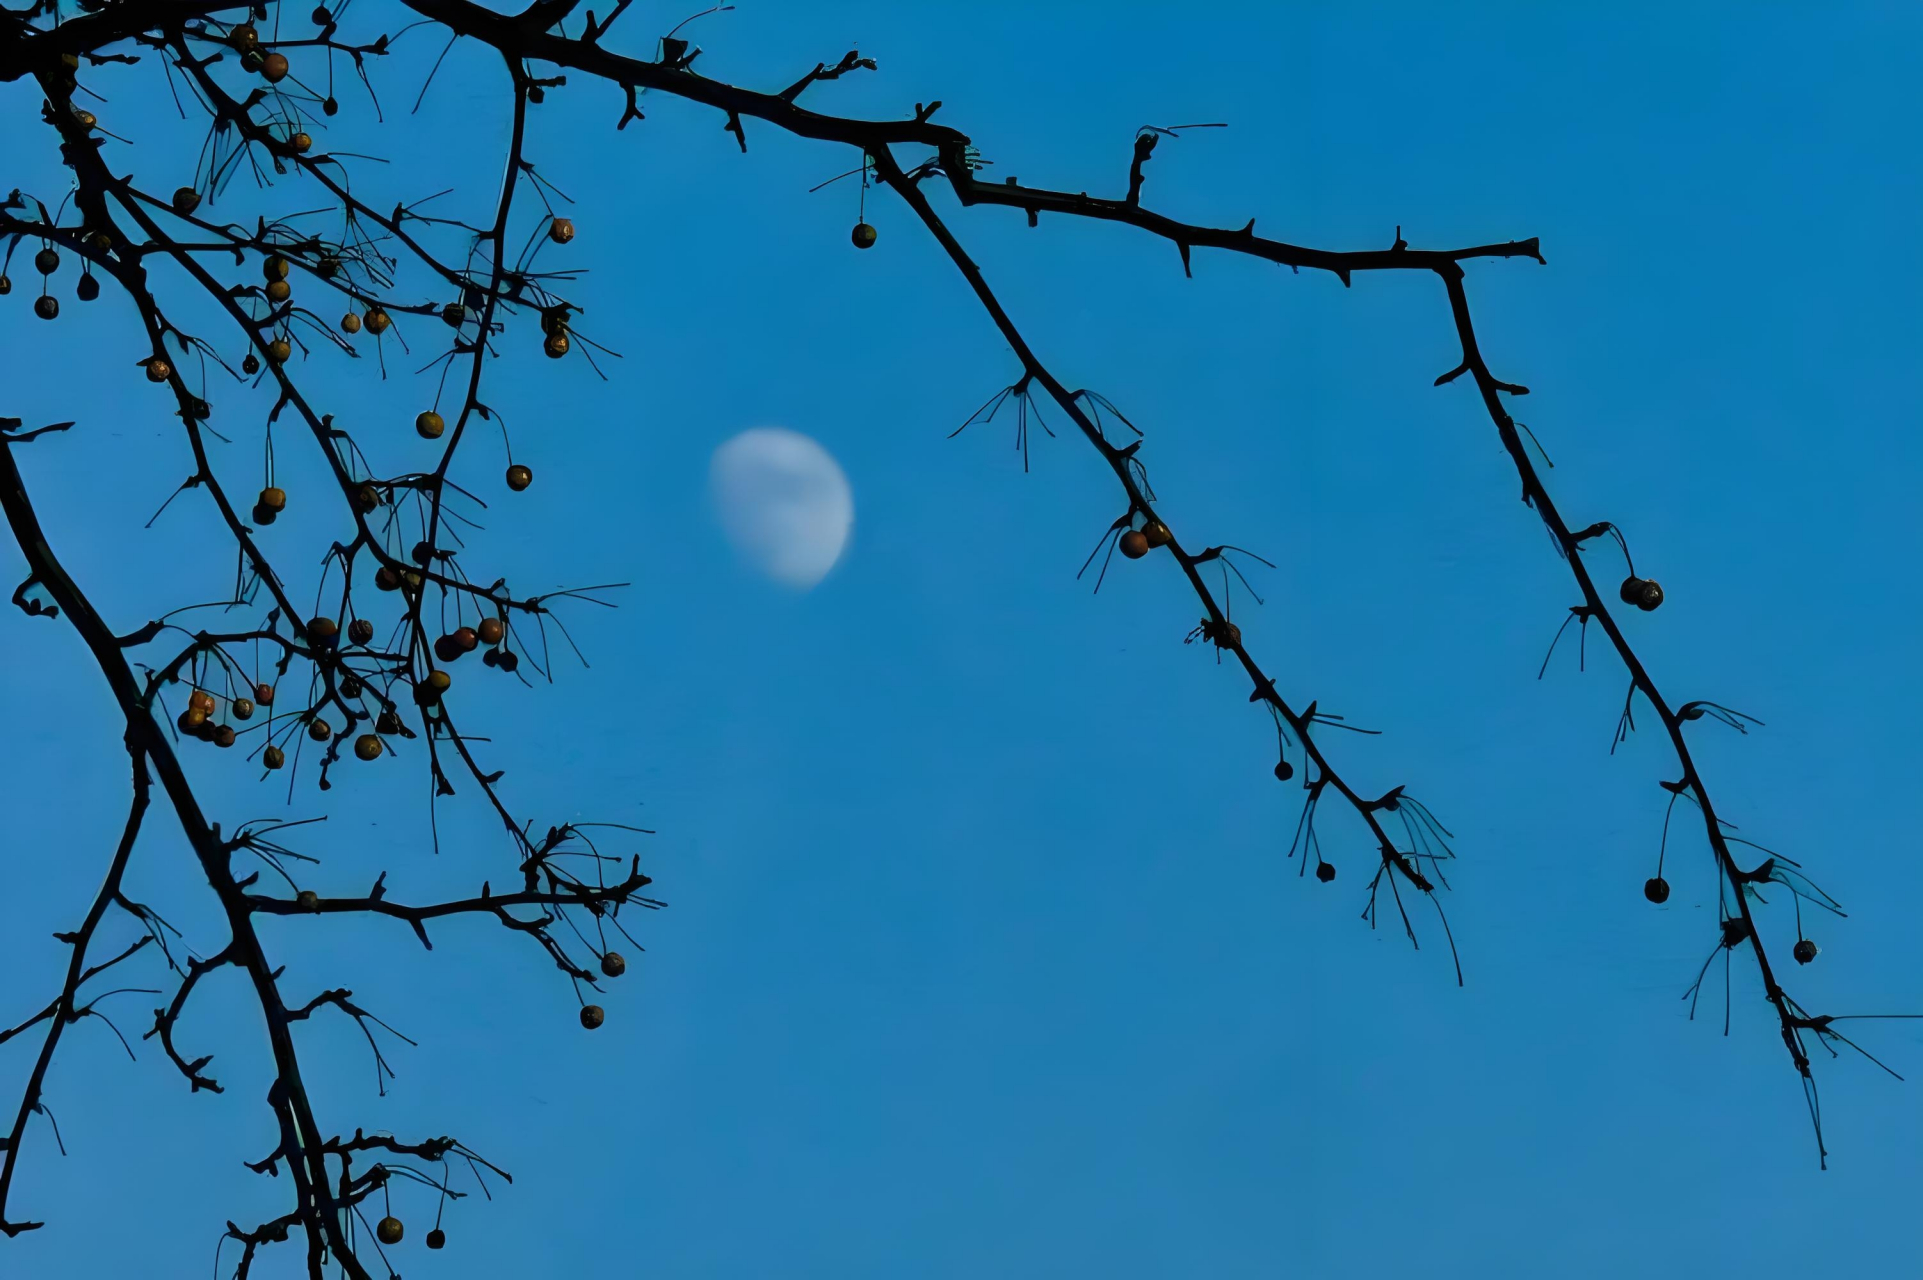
(1804, 951)
(388, 1230)
(1134, 544)
(863, 235)
(436, 1239)
(1325, 871)
(1651, 596)
(447, 649)
(224, 736)
(592, 1016)
(367, 746)
(490, 630)
(273, 757)
(319, 730)
(454, 315)
(264, 694)
(350, 687)
(465, 639)
(278, 291)
(423, 555)
(1284, 771)
(6, 286)
(186, 200)
(1158, 534)
(243, 708)
(519, 477)
(387, 722)
(429, 424)
(613, 965)
(1656, 889)
(308, 900)
(250, 365)
(360, 631)
(87, 288)
(556, 345)
(330, 107)
(385, 579)
(46, 262)
(507, 659)
(46, 306)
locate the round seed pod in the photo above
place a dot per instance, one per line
(561, 230)
(519, 477)
(556, 344)
(159, 370)
(454, 315)
(224, 736)
(439, 681)
(6, 286)
(366, 498)
(250, 365)
(273, 757)
(385, 579)
(446, 649)
(436, 1239)
(367, 746)
(389, 1230)
(273, 499)
(378, 320)
(280, 350)
(201, 700)
(275, 267)
(273, 68)
(863, 236)
(506, 659)
(186, 200)
(555, 321)
(243, 37)
(46, 306)
(1157, 533)
(350, 323)
(86, 288)
(308, 900)
(330, 107)
(279, 291)
(387, 722)
(243, 708)
(1284, 771)
(422, 554)
(1134, 544)
(1650, 598)
(1325, 871)
(190, 720)
(592, 1016)
(490, 630)
(264, 694)
(46, 262)
(319, 730)
(360, 631)
(322, 632)
(350, 687)
(321, 17)
(429, 424)
(1656, 889)
(328, 267)
(299, 143)
(1804, 951)
(465, 639)
(613, 965)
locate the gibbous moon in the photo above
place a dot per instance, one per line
(784, 504)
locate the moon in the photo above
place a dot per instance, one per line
(784, 503)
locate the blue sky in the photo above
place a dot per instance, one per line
(984, 956)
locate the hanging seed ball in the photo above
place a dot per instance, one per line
(299, 143)
(507, 659)
(613, 965)
(244, 36)
(519, 477)
(350, 687)
(274, 500)
(555, 321)
(387, 722)
(1650, 597)
(385, 579)
(1157, 533)
(422, 554)
(490, 630)
(330, 107)
(224, 736)
(279, 291)
(556, 345)
(159, 370)
(454, 315)
(243, 708)
(389, 1230)
(1134, 544)
(429, 425)
(328, 267)
(264, 694)
(263, 515)
(1656, 889)
(360, 631)
(536, 94)
(561, 230)
(199, 409)
(201, 700)
(308, 900)
(378, 320)
(46, 306)
(186, 200)
(367, 746)
(319, 730)
(489, 658)
(250, 365)
(439, 681)
(366, 498)
(446, 649)
(351, 323)
(1632, 590)
(273, 68)
(279, 350)
(1804, 951)
(190, 720)
(436, 1238)
(321, 16)
(206, 731)
(86, 288)
(46, 262)
(465, 639)
(1284, 771)
(863, 236)
(274, 267)
(1325, 872)
(592, 1016)
(321, 632)
(273, 757)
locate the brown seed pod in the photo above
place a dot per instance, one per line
(201, 700)
(863, 235)
(556, 344)
(224, 736)
(454, 315)
(243, 708)
(592, 1016)
(350, 687)
(1134, 544)
(490, 630)
(446, 649)
(322, 632)
(280, 350)
(429, 424)
(6, 285)
(555, 321)
(273, 68)
(389, 1230)
(439, 681)
(385, 579)
(46, 262)
(360, 631)
(158, 370)
(350, 323)
(264, 694)
(279, 291)
(243, 37)
(1650, 597)
(613, 965)
(273, 757)
(186, 200)
(422, 554)
(308, 900)
(274, 499)
(191, 719)
(1157, 533)
(377, 320)
(319, 730)
(367, 746)
(46, 306)
(507, 659)
(465, 639)
(328, 267)
(366, 498)
(561, 230)
(519, 477)
(299, 143)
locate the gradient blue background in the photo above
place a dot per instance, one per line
(983, 956)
